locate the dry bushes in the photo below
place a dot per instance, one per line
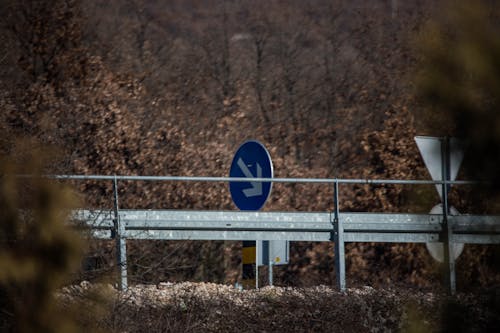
(207, 307)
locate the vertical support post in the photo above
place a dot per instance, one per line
(338, 239)
(121, 246)
(257, 254)
(448, 253)
(248, 259)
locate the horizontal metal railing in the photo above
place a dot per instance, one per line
(292, 226)
(264, 180)
(336, 226)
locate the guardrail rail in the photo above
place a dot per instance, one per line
(335, 226)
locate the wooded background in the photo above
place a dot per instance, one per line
(331, 88)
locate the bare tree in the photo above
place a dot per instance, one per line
(214, 42)
(43, 36)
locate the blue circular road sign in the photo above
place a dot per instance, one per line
(252, 160)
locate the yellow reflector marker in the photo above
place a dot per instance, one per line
(249, 255)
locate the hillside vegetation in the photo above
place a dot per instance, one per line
(174, 87)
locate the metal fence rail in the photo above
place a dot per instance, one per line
(336, 226)
(263, 180)
(314, 227)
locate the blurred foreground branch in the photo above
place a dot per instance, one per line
(37, 250)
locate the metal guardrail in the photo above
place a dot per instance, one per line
(336, 226)
(313, 227)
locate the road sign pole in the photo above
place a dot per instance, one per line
(256, 266)
(338, 239)
(442, 157)
(449, 258)
(248, 262)
(121, 246)
(251, 160)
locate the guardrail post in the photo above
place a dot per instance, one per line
(121, 246)
(448, 253)
(257, 254)
(338, 239)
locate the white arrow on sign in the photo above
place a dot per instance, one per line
(256, 188)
